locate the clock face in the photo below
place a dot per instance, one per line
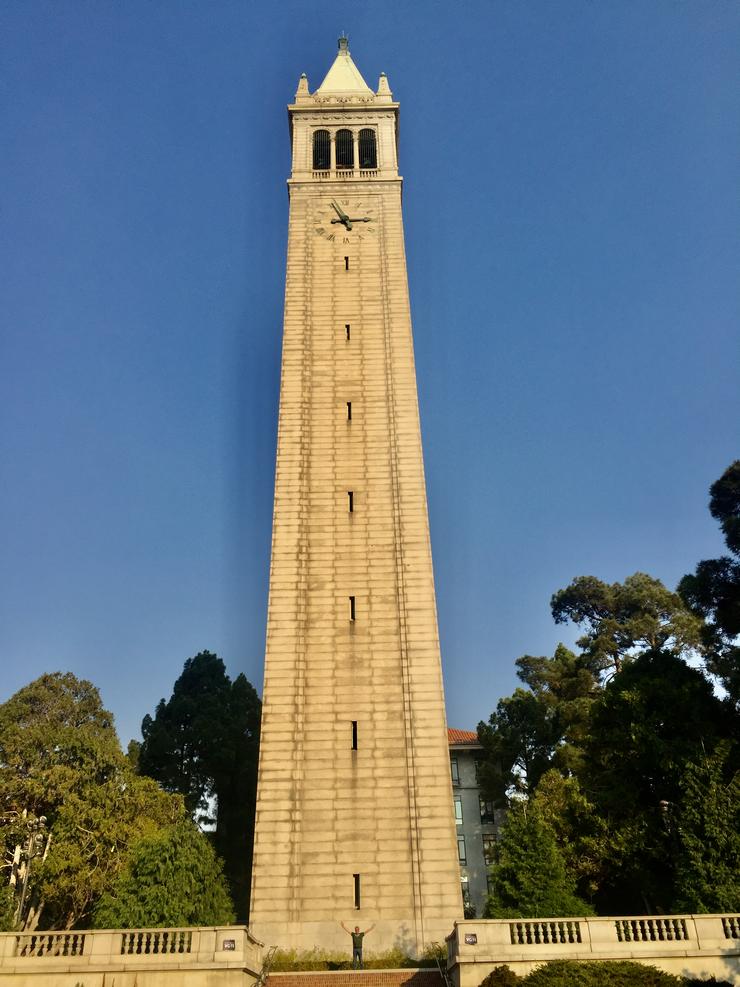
(346, 220)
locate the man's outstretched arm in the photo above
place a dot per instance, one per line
(345, 928)
(369, 928)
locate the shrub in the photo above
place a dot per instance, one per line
(502, 976)
(295, 960)
(570, 973)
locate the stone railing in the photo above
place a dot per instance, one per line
(344, 174)
(699, 945)
(46, 956)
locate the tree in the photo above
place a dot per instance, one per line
(60, 758)
(519, 743)
(583, 836)
(529, 877)
(653, 718)
(567, 685)
(712, 592)
(172, 878)
(624, 619)
(707, 819)
(204, 743)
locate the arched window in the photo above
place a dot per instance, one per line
(368, 153)
(321, 150)
(345, 148)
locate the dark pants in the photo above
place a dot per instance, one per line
(356, 957)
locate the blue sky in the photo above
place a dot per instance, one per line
(573, 235)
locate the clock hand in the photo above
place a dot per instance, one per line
(343, 217)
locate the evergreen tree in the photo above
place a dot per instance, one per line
(529, 877)
(707, 819)
(171, 878)
(625, 619)
(713, 590)
(653, 718)
(203, 742)
(582, 835)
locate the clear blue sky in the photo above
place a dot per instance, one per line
(573, 232)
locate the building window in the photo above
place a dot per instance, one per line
(345, 148)
(352, 609)
(465, 888)
(347, 329)
(321, 150)
(351, 501)
(458, 810)
(455, 771)
(461, 850)
(368, 154)
(349, 411)
(354, 735)
(356, 879)
(489, 843)
(486, 811)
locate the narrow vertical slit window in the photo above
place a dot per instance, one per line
(351, 501)
(349, 411)
(347, 329)
(354, 735)
(351, 608)
(356, 879)
(346, 263)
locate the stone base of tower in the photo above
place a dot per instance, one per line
(387, 934)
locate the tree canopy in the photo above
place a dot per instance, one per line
(171, 878)
(623, 747)
(712, 591)
(60, 758)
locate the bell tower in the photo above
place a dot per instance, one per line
(354, 807)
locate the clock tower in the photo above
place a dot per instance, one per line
(354, 807)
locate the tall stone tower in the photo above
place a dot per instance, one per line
(354, 808)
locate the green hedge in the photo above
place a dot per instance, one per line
(570, 973)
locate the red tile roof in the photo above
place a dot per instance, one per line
(461, 736)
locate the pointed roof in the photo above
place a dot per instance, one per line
(343, 76)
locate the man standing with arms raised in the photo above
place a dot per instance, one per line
(357, 938)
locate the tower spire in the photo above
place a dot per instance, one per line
(344, 76)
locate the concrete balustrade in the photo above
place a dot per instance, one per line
(695, 945)
(131, 958)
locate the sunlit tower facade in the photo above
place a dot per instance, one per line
(354, 808)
